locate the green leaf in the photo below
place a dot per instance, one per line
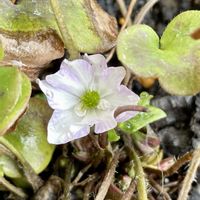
(143, 118)
(83, 21)
(9, 167)
(112, 136)
(174, 59)
(29, 140)
(19, 18)
(15, 90)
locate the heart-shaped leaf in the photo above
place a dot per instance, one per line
(29, 139)
(15, 90)
(174, 59)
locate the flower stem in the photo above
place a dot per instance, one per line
(129, 108)
(73, 52)
(140, 176)
(141, 183)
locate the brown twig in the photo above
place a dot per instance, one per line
(171, 184)
(190, 176)
(108, 177)
(178, 164)
(88, 191)
(159, 188)
(129, 192)
(174, 168)
(95, 141)
(88, 179)
(81, 173)
(123, 9)
(144, 10)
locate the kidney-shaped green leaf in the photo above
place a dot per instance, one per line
(29, 139)
(15, 90)
(174, 59)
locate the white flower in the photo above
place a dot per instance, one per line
(84, 93)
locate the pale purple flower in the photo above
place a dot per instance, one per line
(85, 93)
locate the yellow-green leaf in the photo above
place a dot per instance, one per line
(174, 59)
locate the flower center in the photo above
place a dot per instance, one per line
(90, 99)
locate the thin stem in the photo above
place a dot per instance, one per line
(129, 192)
(144, 10)
(178, 164)
(190, 176)
(159, 188)
(108, 178)
(140, 176)
(103, 140)
(73, 52)
(129, 108)
(18, 191)
(129, 13)
(81, 173)
(174, 168)
(123, 9)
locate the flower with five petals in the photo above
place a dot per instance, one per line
(85, 93)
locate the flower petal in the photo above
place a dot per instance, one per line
(123, 97)
(57, 98)
(63, 127)
(106, 123)
(109, 80)
(73, 76)
(96, 60)
(126, 116)
(103, 120)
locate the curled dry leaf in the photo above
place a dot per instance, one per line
(28, 39)
(31, 50)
